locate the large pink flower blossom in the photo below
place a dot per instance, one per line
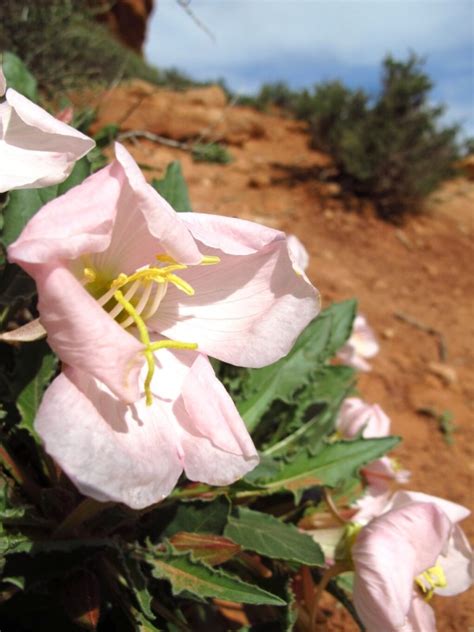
(36, 149)
(362, 345)
(131, 296)
(413, 550)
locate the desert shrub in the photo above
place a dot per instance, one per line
(211, 152)
(392, 148)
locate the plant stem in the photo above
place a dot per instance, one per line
(86, 510)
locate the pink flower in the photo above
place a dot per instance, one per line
(414, 549)
(357, 416)
(36, 149)
(298, 251)
(131, 295)
(361, 345)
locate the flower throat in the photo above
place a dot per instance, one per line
(132, 299)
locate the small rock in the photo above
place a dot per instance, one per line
(388, 333)
(259, 180)
(445, 372)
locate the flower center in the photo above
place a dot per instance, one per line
(133, 299)
(432, 578)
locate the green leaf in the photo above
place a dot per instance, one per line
(318, 342)
(24, 203)
(332, 466)
(206, 547)
(315, 411)
(193, 577)
(30, 397)
(199, 517)
(266, 535)
(173, 187)
(137, 583)
(19, 77)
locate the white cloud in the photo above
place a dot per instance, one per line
(354, 32)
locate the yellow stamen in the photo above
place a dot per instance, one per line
(145, 338)
(432, 578)
(180, 284)
(209, 261)
(165, 258)
(172, 344)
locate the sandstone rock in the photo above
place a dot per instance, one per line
(180, 116)
(127, 20)
(445, 372)
(211, 96)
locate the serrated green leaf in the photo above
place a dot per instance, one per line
(22, 204)
(318, 342)
(315, 411)
(199, 517)
(173, 187)
(193, 577)
(137, 583)
(30, 397)
(332, 466)
(19, 77)
(266, 535)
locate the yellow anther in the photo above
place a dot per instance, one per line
(120, 280)
(431, 579)
(165, 259)
(209, 261)
(172, 344)
(180, 284)
(89, 275)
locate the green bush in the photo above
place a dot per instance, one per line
(392, 148)
(64, 47)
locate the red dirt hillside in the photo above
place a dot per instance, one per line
(414, 283)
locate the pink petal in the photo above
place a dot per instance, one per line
(362, 344)
(111, 451)
(455, 512)
(388, 554)
(421, 616)
(298, 252)
(380, 474)
(215, 445)
(135, 453)
(78, 222)
(143, 210)
(457, 563)
(37, 150)
(33, 330)
(241, 302)
(215, 415)
(355, 416)
(83, 334)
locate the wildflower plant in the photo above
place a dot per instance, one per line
(145, 487)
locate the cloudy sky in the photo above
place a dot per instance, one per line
(306, 41)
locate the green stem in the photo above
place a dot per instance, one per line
(86, 510)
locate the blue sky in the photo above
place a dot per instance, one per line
(306, 41)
